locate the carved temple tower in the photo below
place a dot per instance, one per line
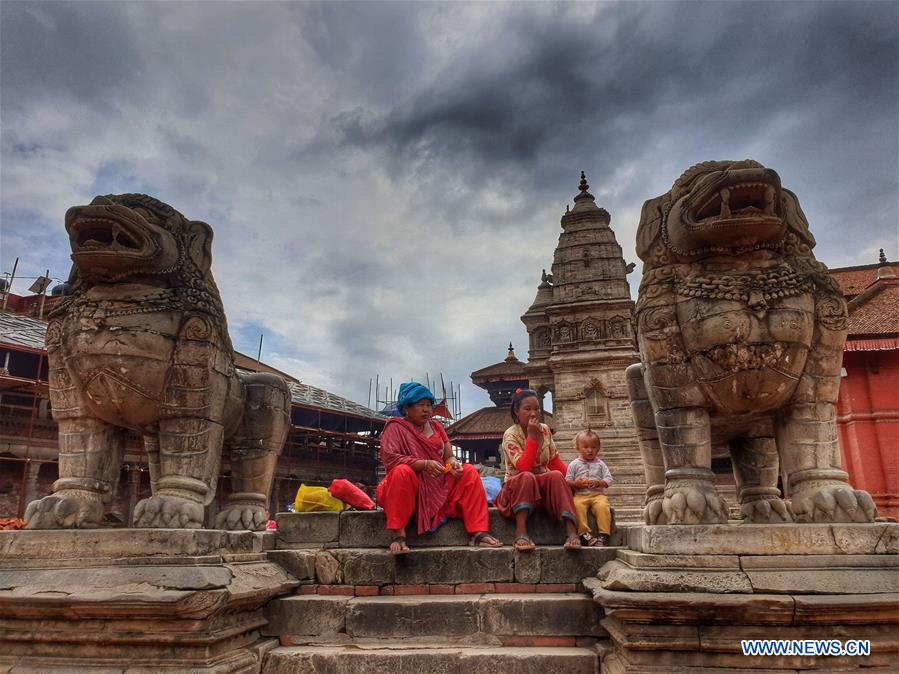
(581, 340)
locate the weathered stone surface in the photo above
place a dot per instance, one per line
(447, 565)
(368, 529)
(312, 530)
(359, 659)
(412, 616)
(558, 565)
(368, 567)
(617, 575)
(306, 615)
(540, 615)
(115, 544)
(754, 539)
(828, 581)
(298, 563)
(172, 609)
(638, 559)
(528, 567)
(847, 609)
(740, 331)
(142, 344)
(693, 607)
(327, 568)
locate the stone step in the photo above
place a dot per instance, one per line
(446, 566)
(482, 618)
(430, 659)
(355, 529)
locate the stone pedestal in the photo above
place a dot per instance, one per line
(682, 598)
(135, 600)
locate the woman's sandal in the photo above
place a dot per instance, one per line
(484, 539)
(590, 541)
(398, 546)
(572, 542)
(524, 544)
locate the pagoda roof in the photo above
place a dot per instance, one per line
(510, 369)
(487, 423)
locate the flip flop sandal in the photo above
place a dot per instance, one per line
(403, 549)
(572, 542)
(478, 540)
(524, 544)
(590, 541)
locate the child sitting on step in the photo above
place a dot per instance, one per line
(588, 476)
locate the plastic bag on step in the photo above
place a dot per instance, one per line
(317, 500)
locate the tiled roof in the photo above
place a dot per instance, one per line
(312, 396)
(506, 369)
(854, 280)
(28, 332)
(877, 314)
(486, 421)
(17, 330)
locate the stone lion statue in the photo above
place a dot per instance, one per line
(741, 333)
(142, 344)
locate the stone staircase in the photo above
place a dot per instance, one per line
(444, 607)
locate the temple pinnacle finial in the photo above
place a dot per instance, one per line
(511, 355)
(883, 258)
(583, 195)
(583, 186)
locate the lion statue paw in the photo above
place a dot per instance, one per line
(653, 512)
(242, 518)
(165, 511)
(66, 509)
(693, 502)
(837, 502)
(766, 511)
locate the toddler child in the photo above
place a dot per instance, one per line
(588, 476)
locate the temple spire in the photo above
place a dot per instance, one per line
(583, 187)
(883, 257)
(510, 357)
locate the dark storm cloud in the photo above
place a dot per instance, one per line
(714, 73)
(77, 49)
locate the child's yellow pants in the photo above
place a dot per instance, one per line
(599, 504)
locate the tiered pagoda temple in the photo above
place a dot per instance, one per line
(580, 327)
(479, 434)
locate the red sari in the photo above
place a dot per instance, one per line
(435, 498)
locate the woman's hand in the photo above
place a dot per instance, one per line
(456, 467)
(434, 468)
(534, 432)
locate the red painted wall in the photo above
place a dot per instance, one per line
(868, 423)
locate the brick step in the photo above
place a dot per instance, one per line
(473, 618)
(354, 529)
(430, 659)
(441, 566)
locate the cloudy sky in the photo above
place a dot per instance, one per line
(385, 180)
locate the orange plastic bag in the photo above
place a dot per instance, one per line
(347, 492)
(317, 500)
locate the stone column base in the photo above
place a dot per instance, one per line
(682, 598)
(135, 600)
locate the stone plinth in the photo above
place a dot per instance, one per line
(135, 600)
(682, 598)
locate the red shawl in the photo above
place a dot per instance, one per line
(401, 443)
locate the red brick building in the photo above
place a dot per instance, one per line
(868, 407)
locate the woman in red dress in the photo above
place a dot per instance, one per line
(535, 474)
(424, 476)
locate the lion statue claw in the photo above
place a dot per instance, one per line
(66, 509)
(142, 345)
(741, 334)
(168, 512)
(693, 503)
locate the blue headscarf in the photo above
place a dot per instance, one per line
(411, 393)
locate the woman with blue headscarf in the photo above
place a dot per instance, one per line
(423, 475)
